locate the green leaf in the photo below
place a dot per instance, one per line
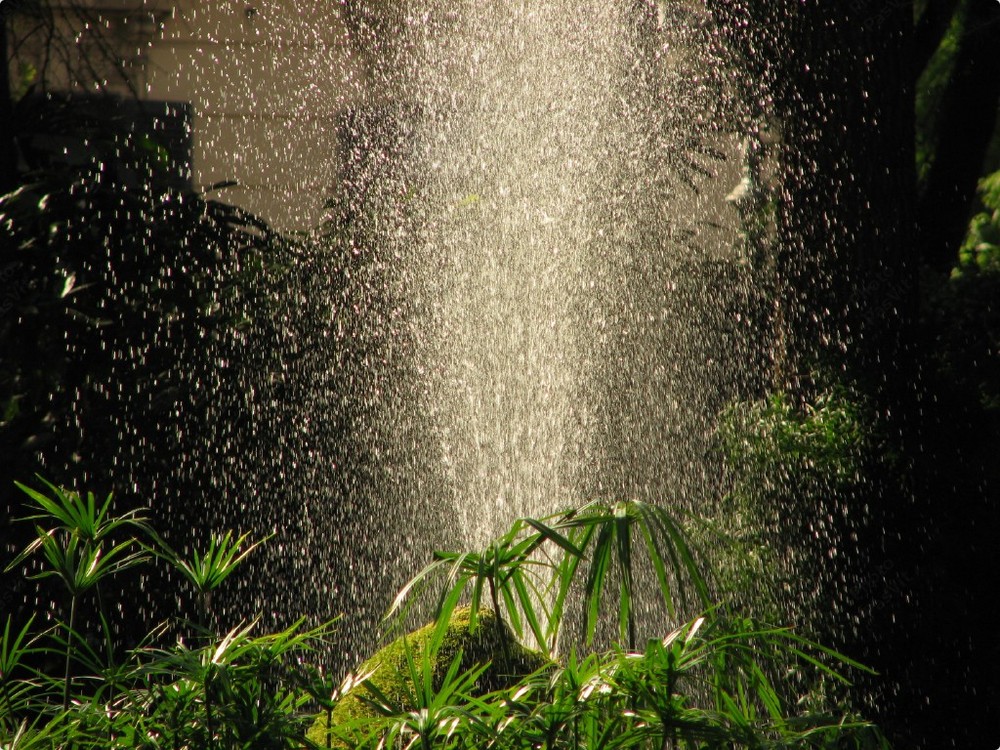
(599, 564)
(207, 571)
(528, 607)
(550, 534)
(623, 523)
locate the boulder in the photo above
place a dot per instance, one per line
(491, 642)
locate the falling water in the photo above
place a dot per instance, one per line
(546, 214)
(528, 294)
(529, 300)
(532, 289)
(514, 143)
(524, 299)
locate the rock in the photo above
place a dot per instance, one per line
(492, 641)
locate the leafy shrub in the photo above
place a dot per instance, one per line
(980, 252)
(791, 467)
(716, 680)
(184, 686)
(387, 674)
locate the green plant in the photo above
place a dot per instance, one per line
(233, 691)
(558, 704)
(530, 571)
(29, 735)
(206, 571)
(980, 252)
(80, 550)
(490, 642)
(505, 569)
(790, 465)
(15, 647)
(236, 690)
(604, 536)
(431, 713)
(716, 681)
(771, 443)
(328, 695)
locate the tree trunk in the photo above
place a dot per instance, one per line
(968, 117)
(8, 163)
(930, 30)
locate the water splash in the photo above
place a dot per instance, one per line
(548, 266)
(524, 302)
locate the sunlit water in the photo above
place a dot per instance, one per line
(563, 269)
(537, 298)
(538, 294)
(543, 304)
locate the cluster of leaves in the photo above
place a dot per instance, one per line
(789, 464)
(716, 681)
(705, 685)
(981, 250)
(777, 445)
(208, 688)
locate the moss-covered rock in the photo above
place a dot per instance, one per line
(491, 642)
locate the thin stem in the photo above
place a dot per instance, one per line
(209, 719)
(205, 605)
(111, 661)
(493, 596)
(69, 648)
(670, 736)
(631, 624)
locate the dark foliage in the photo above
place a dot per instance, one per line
(126, 306)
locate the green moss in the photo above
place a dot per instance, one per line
(491, 642)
